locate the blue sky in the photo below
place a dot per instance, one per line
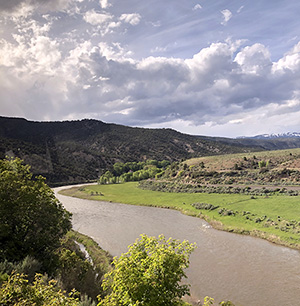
(216, 68)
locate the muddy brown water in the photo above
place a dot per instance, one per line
(246, 270)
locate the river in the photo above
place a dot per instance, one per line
(246, 270)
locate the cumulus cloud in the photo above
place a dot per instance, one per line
(254, 59)
(104, 4)
(96, 18)
(62, 71)
(114, 51)
(290, 61)
(213, 86)
(107, 23)
(226, 16)
(133, 19)
(103, 22)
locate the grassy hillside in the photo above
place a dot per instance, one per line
(78, 151)
(271, 168)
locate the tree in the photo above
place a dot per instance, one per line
(118, 168)
(149, 273)
(17, 291)
(32, 220)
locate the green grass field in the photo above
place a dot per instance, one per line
(275, 218)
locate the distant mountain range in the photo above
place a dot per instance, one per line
(274, 136)
(78, 151)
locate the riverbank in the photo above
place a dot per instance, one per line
(274, 218)
(225, 266)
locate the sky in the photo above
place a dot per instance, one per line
(202, 67)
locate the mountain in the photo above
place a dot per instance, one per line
(262, 143)
(77, 151)
(274, 136)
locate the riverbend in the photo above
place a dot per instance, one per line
(246, 270)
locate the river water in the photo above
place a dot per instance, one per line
(246, 270)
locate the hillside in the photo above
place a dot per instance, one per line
(256, 173)
(263, 143)
(77, 151)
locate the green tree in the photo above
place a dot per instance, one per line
(152, 162)
(102, 180)
(108, 174)
(163, 164)
(118, 169)
(149, 273)
(136, 176)
(126, 177)
(17, 291)
(32, 220)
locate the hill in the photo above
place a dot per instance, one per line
(77, 151)
(272, 136)
(263, 143)
(253, 173)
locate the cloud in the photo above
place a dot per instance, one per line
(158, 49)
(10, 5)
(114, 51)
(290, 61)
(96, 18)
(240, 9)
(107, 23)
(104, 4)
(227, 15)
(85, 64)
(133, 19)
(213, 86)
(23, 6)
(255, 59)
(104, 23)
(197, 7)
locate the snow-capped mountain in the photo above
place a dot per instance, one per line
(274, 136)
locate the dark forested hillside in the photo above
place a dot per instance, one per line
(77, 151)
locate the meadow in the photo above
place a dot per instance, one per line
(275, 217)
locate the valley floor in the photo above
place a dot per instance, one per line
(275, 218)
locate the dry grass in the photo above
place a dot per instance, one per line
(279, 159)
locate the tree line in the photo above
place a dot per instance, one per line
(134, 171)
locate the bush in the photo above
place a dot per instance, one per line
(204, 206)
(17, 291)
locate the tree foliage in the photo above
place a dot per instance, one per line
(32, 220)
(75, 271)
(133, 171)
(149, 273)
(17, 291)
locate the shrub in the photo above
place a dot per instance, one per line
(17, 291)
